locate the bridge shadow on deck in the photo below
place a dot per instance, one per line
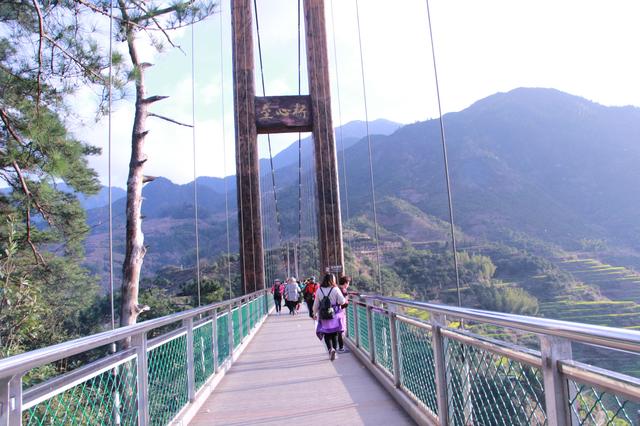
(285, 377)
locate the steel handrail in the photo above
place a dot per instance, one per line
(615, 338)
(24, 362)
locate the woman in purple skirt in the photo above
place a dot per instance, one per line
(328, 328)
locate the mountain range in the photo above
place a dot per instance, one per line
(531, 163)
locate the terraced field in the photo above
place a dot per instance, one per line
(614, 282)
(619, 307)
(620, 288)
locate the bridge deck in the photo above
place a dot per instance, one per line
(285, 377)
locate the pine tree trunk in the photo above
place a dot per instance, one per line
(135, 249)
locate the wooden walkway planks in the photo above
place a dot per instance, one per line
(285, 377)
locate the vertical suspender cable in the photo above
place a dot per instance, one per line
(111, 296)
(299, 148)
(224, 154)
(366, 115)
(446, 162)
(344, 163)
(193, 139)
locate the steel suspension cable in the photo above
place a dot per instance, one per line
(366, 114)
(110, 101)
(224, 154)
(193, 140)
(446, 161)
(273, 172)
(344, 162)
(299, 147)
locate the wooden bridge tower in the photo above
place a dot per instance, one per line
(283, 114)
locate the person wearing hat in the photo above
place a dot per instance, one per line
(309, 294)
(277, 290)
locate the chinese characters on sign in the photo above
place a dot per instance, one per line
(282, 114)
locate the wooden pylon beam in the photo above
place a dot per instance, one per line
(247, 166)
(328, 196)
(280, 114)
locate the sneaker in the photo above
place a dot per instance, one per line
(332, 354)
(343, 350)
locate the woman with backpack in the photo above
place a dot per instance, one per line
(326, 308)
(277, 290)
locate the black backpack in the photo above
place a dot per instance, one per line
(326, 310)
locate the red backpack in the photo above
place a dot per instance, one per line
(310, 290)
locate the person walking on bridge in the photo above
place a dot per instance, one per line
(277, 290)
(326, 308)
(291, 295)
(343, 285)
(309, 293)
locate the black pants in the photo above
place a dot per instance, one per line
(331, 340)
(310, 307)
(278, 302)
(291, 304)
(340, 340)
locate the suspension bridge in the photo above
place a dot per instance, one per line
(236, 362)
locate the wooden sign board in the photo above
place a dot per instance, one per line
(283, 114)
(335, 269)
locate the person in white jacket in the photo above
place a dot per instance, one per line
(291, 295)
(328, 328)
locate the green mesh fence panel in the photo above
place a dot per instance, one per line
(245, 319)
(351, 325)
(382, 340)
(363, 329)
(104, 399)
(417, 368)
(594, 407)
(237, 337)
(485, 388)
(203, 353)
(223, 338)
(167, 380)
(252, 314)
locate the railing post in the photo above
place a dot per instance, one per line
(11, 401)
(370, 334)
(356, 328)
(266, 303)
(5, 401)
(191, 372)
(442, 392)
(214, 339)
(395, 352)
(142, 375)
(241, 321)
(230, 327)
(555, 349)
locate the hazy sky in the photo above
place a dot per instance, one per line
(583, 47)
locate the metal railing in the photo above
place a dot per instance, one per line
(442, 374)
(150, 383)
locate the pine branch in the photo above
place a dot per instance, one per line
(74, 59)
(162, 117)
(153, 99)
(154, 16)
(26, 191)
